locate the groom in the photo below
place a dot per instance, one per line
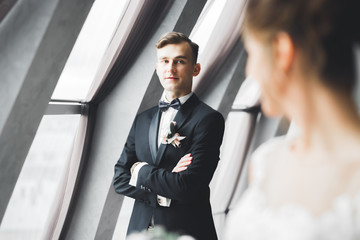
(172, 150)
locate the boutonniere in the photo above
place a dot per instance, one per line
(172, 136)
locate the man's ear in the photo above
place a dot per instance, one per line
(284, 52)
(197, 69)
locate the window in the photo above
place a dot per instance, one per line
(94, 38)
(37, 187)
(205, 26)
(40, 186)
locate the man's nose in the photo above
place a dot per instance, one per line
(171, 67)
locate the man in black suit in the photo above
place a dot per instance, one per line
(172, 150)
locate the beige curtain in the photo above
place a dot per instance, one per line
(239, 130)
(66, 189)
(125, 25)
(65, 193)
(222, 39)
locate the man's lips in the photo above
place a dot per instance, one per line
(171, 78)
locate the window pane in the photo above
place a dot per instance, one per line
(81, 67)
(209, 18)
(33, 198)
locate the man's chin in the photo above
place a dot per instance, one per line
(170, 88)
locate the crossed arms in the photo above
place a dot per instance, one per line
(185, 180)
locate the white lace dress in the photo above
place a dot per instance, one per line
(253, 219)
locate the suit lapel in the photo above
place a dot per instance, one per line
(160, 153)
(180, 118)
(186, 110)
(153, 134)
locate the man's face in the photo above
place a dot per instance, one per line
(175, 69)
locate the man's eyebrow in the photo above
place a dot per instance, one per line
(177, 57)
(181, 57)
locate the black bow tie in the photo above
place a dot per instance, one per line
(176, 104)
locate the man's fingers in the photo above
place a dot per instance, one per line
(181, 166)
(183, 163)
(179, 169)
(184, 159)
(187, 155)
(182, 169)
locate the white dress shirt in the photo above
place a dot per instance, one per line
(166, 118)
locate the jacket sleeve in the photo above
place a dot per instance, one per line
(122, 173)
(205, 150)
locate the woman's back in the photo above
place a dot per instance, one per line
(294, 198)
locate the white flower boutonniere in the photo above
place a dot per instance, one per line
(172, 137)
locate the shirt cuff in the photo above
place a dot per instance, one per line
(134, 175)
(163, 201)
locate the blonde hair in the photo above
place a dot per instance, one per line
(176, 37)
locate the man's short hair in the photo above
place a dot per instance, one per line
(176, 37)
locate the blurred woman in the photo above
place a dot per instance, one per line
(307, 187)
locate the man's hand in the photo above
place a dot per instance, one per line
(183, 163)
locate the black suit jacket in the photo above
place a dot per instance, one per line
(190, 210)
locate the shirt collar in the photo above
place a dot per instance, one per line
(182, 99)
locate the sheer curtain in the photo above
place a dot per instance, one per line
(242, 119)
(135, 28)
(135, 25)
(222, 39)
(66, 189)
(239, 130)
(125, 25)
(132, 21)
(225, 33)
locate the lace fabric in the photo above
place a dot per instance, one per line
(254, 219)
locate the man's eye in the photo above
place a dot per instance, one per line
(164, 61)
(180, 61)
